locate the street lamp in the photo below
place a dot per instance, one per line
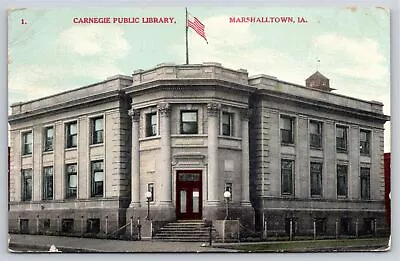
(227, 196)
(148, 196)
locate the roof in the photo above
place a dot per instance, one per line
(317, 74)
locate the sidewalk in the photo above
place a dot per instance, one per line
(22, 243)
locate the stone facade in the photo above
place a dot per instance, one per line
(173, 122)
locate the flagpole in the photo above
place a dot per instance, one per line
(187, 44)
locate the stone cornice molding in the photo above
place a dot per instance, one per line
(55, 107)
(164, 108)
(135, 114)
(320, 104)
(213, 109)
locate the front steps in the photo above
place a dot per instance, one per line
(185, 231)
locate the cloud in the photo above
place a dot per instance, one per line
(237, 46)
(82, 54)
(220, 32)
(356, 67)
(94, 39)
(360, 58)
(40, 80)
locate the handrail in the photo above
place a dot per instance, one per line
(120, 228)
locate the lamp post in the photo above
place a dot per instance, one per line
(227, 196)
(148, 197)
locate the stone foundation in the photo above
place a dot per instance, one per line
(330, 224)
(94, 222)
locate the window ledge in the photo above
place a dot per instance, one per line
(70, 199)
(150, 138)
(288, 144)
(97, 197)
(229, 137)
(26, 155)
(287, 196)
(316, 197)
(48, 152)
(96, 145)
(316, 148)
(365, 155)
(71, 149)
(188, 135)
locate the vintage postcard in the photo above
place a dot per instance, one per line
(224, 129)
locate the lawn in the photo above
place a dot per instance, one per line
(317, 245)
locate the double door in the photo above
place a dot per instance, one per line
(188, 194)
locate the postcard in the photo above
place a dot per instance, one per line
(198, 129)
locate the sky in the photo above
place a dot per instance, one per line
(48, 53)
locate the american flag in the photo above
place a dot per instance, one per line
(196, 25)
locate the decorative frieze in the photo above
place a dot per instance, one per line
(135, 114)
(213, 109)
(164, 109)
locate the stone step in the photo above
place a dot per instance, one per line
(185, 230)
(181, 237)
(185, 224)
(182, 233)
(180, 227)
(178, 239)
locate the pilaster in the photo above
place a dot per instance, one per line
(245, 186)
(135, 158)
(164, 110)
(212, 181)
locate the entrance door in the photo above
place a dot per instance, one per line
(188, 194)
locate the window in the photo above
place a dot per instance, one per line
(287, 167)
(341, 180)
(46, 224)
(365, 183)
(345, 225)
(341, 139)
(189, 176)
(151, 124)
(365, 137)
(97, 130)
(72, 136)
(150, 187)
(26, 184)
(369, 225)
(189, 122)
(286, 125)
(48, 183)
(93, 225)
(316, 179)
(67, 225)
(24, 226)
(320, 226)
(48, 138)
(71, 180)
(315, 134)
(227, 124)
(97, 178)
(27, 143)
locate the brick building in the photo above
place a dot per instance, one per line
(295, 158)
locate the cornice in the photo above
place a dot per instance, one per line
(76, 103)
(278, 96)
(187, 84)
